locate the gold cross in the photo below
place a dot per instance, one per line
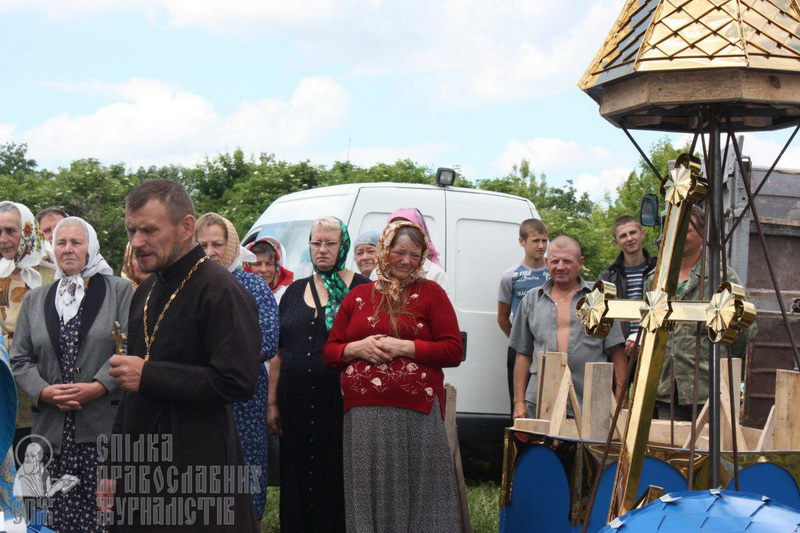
(725, 316)
(119, 338)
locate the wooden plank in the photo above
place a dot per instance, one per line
(619, 429)
(534, 425)
(702, 420)
(551, 379)
(787, 415)
(729, 413)
(752, 436)
(569, 429)
(576, 408)
(559, 414)
(597, 395)
(451, 396)
(660, 432)
(765, 442)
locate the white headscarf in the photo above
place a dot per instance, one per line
(243, 256)
(33, 250)
(70, 288)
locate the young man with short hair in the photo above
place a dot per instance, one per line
(629, 270)
(515, 283)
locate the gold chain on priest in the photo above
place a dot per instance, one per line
(150, 339)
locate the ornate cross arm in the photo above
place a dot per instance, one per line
(725, 316)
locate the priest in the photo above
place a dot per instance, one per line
(193, 350)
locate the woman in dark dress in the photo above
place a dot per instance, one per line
(305, 400)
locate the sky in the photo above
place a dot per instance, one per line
(470, 84)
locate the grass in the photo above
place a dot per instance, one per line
(483, 496)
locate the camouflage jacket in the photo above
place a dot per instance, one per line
(682, 340)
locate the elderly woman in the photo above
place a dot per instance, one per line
(25, 264)
(305, 402)
(220, 241)
(364, 251)
(60, 361)
(392, 339)
(269, 265)
(431, 265)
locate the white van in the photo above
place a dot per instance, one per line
(476, 234)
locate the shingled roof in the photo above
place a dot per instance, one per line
(661, 35)
(664, 60)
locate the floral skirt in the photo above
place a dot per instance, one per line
(398, 472)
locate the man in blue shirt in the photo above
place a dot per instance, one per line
(515, 283)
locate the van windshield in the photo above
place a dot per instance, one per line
(294, 237)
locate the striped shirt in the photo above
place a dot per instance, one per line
(635, 281)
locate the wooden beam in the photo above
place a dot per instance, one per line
(661, 430)
(765, 442)
(452, 438)
(559, 414)
(550, 368)
(702, 420)
(619, 429)
(597, 396)
(729, 413)
(534, 425)
(752, 436)
(576, 407)
(787, 415)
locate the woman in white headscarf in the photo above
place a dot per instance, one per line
(25, 263)
(63, 366)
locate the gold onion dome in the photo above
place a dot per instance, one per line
(664, 59)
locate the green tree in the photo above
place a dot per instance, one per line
(95, 193)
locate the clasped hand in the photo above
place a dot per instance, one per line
(72, 396)
(380, 349)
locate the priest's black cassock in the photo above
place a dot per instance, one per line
(205, 356)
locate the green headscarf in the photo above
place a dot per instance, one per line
(334, 284)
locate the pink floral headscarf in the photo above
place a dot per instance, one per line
(414, 215)
(392, 286)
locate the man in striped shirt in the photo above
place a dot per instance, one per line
(629, 270)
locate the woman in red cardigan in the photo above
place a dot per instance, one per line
(391, 339)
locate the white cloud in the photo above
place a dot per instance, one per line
(476, 52)
(761, 148)
(151, 119)
(247, 15)
(552, 155)
(423, 154)
(454, 53)
(597, 186)
(764, 148)
(6, 132)
(592, 168)
(318, 106)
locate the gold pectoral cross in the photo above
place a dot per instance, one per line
(725, 316)
(119, 339)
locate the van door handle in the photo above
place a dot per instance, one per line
(464, 342)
